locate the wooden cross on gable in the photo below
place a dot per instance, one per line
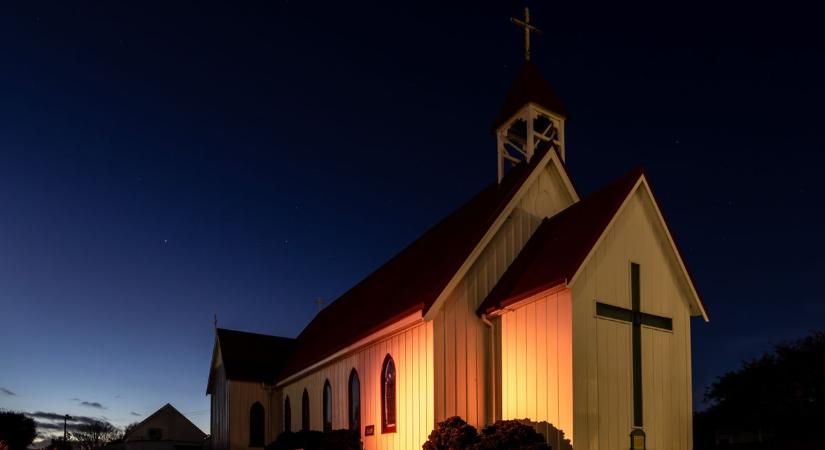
(637, 318)
(527, 29)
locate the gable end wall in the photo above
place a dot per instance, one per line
(602, 364)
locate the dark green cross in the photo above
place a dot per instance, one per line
(638, 318)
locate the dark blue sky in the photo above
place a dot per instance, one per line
(160, 164)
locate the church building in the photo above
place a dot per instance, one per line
(530, 301)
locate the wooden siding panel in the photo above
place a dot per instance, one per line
(412, 351)
(522, 337)
(244, 395)
(219, 413)
(463, 353)
(603, 372)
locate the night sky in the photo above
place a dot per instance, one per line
(159, 165)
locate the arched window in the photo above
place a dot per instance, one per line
(305, 411)
(388, 380)
(354, 402)
(256, 425)
(287, 415)
(327, 406)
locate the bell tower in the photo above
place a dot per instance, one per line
(532, 117)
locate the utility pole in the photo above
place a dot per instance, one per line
(66, 418)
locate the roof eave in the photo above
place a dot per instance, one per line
(512, 301)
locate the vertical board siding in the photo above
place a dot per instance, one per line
(244, 394)
(219, 428)
(412, 352)
(602, 366)
(537, 362)
(463, 341)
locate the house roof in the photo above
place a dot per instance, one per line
(559, 246)
(412, 280)
(252, 356)
(178, 427)
(529, 86)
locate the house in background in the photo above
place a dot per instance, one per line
(165, 429)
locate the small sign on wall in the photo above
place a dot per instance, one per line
(369, 430)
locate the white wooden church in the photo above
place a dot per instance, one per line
(528, 302)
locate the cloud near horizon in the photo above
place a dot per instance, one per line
(8, 392)
(55, 417)
(53, 422)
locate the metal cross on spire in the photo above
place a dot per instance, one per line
(527, 29)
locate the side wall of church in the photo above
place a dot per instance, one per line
(462, 340)
(602, 364)
(537, 362)
(412, 351)
(243, 395)
(219, 425)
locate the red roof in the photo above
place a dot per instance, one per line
(409, 282)
(529, 86)
(559, 246)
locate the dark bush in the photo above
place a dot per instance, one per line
(316, 440)
(452, 434)
(511, 434)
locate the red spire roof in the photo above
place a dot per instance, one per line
(529, 86)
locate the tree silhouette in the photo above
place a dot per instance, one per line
(128, 428)
(16, 430)
(779, 396)
(94, 435)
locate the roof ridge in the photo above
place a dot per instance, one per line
(529, 86)
(509, 181)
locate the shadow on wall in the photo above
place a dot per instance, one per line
(554, 436)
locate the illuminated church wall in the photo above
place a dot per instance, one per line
(462, 340)
(219, 392)
(412, 351)
(244, 394)
(602, 365)
(537, 361)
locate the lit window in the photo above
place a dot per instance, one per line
(354, 402)
(388, 380)
(327, 406)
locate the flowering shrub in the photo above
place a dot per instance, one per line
(511, 434)
(452, 434)
(455, 434)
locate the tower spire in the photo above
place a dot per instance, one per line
(527, 29)
(532, 117)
